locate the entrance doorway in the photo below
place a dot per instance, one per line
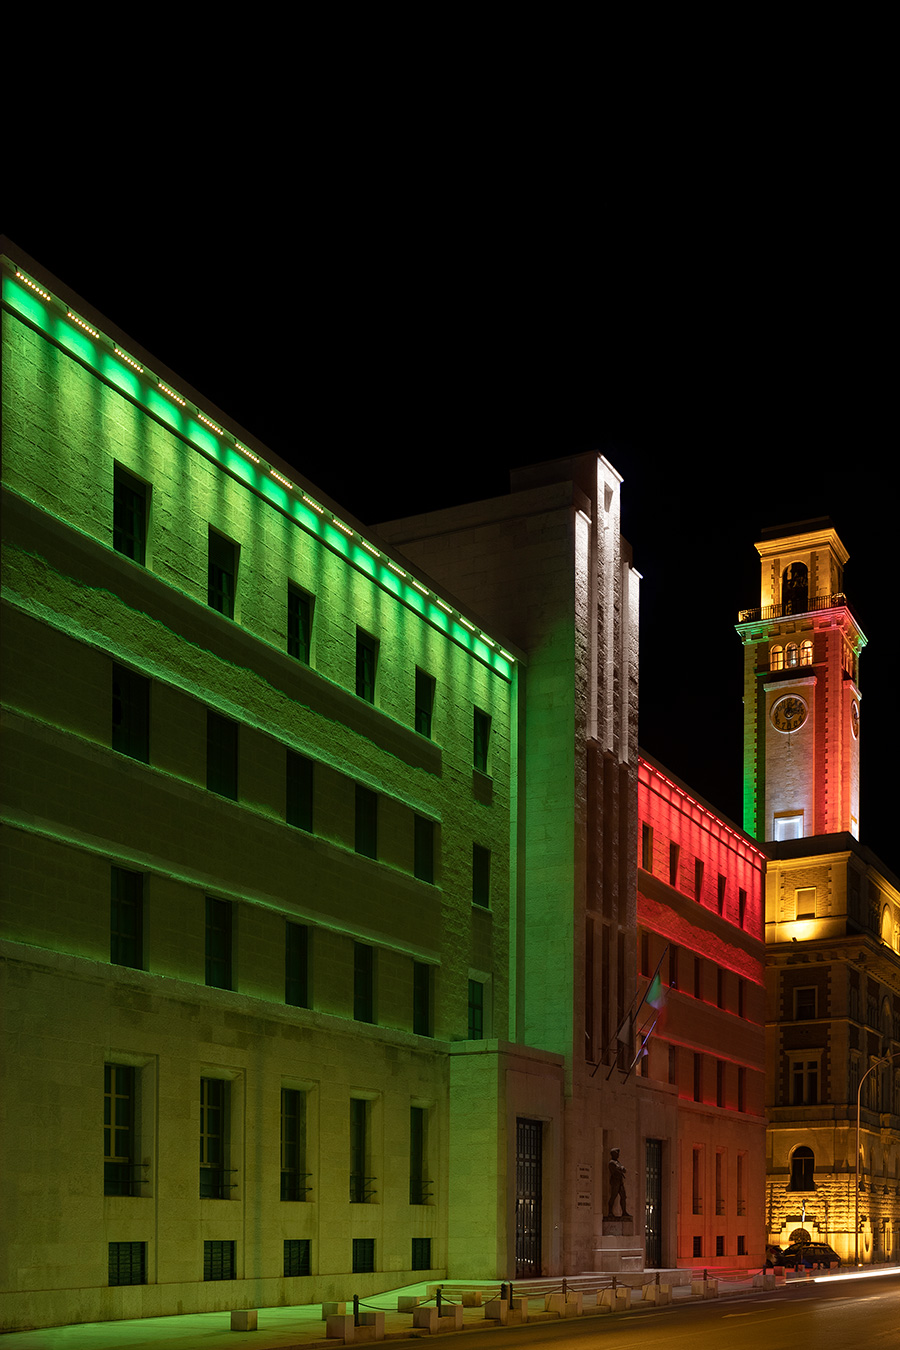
(529, 1162)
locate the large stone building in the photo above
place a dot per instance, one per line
(832, 916)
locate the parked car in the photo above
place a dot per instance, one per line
(773, 1255)
(808, 1254)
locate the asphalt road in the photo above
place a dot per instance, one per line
(832, 1315)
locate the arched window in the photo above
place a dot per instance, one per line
(776, 658)
(795, 588)
(887, 925)
(806, 653)
(803, 1165)
(791, 655)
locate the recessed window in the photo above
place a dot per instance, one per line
(776, 658)
(363, 1256)
(741, 1245)
(222, 574)
(805, 1082)
(791, 656)
(298, 802)
(698, 878)
(361, 1183)
(293, 1145)
(803, 1166)
(299, 626)
(421, 1254)
(424, 702)
(296, 965)
(119, 1177)
(218, 943)
(673, 966)
(126, 918)
(218, 1261)
(805, 897)
(366, 665)
(297, 1258)
(673, 1065)
(740, 998)
(221, 755)
(696, 1181)
(698, 1078)
(645, 952)
(130, 714)
(806, 653)
(742, 906)
(421, 998)
(720, 1083)
(742, 1096)
(366, 829)
(698, 1246)
(720, 1242)
(482, 740)
(720, 894)
(419, 1192)
(130, 512)
(674, 855)
(214, 1098)
(646, 847)
(720, 988)
(423, 860)
(805, 1003)
(476, 1010)
(481, 876)
(127, 1263)
(363, 982)
(698, 977)
(788, 825)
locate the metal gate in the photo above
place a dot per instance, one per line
(653, 1192)
(529, 1136)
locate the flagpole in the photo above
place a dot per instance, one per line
(632, 1011)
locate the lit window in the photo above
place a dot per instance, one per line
(806, 653)
(776, 658)
(791, 656)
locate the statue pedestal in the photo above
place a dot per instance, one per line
(618, 1227)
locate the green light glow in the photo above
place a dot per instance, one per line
(100, 357)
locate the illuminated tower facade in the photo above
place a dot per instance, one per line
(801, 689)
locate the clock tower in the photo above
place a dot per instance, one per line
(801, 689)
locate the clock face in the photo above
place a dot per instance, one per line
(854, 719)
(789, 713)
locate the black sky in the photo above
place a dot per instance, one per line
(734, 371)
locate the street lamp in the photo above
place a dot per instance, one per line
(879, 1064)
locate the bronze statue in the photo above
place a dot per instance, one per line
(617, 1187)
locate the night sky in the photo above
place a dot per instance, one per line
(736, 380)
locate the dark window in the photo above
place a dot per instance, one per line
(720, 988)
(424, 702)
(720, 1082)
(423, 862)
(366, 838)
(740, 1006)
(645, 952)
(128, 1263)
(360, 1183)
(130, 498)
(720, 894)
(421, 1254)
(696, 1181)
(298, 806)
(805, 1074)
(300, 615)
(805, 1003)
(418, 1182)
(221, 755)
(126, 918)
(222, 574)
(698, 1246)
(363, 982)
(673, 966)
(293, 1145)
(130, 714)
(742, 1250)
(742, 1089)
(366, 665)
(218, 943)
(363, 1255)
(673, 1064)
(698, 977)
(698, 1078)
(803, 1166)
(421, 998)
(698, 878)
(218, 1261)
(476, 1010)
(296, 965)
(646, 847)
(482, 740)
(674, 853)
(742, 906)
(213, 1173)
(481, 876)
(720, 1245)
(118, 1130)
(297, 1259)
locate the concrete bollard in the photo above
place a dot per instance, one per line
(243, 1319)
(451, 1317)
(471, 1298)
(407, 1302)
(574, 1304)
(615, 1300)
(518, 1309)
(660, 1294)
(555, 1302)
(339, 1327)
(708, 1288)
(497, 1310)
(426, 1319)
(333, 1310)
(373, 1318)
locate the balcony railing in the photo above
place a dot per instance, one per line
(813, 602)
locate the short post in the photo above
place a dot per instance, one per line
(356, 1310)
(438, 1300)
(565, 1290)
(510, 1292)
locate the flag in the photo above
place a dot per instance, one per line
(656, 994)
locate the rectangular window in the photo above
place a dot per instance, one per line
(476, 1010)
(126, 918)
(720, 1241)
(482, 740)
(674, 855)
(297, 1259)
(645, 953)
(363, 982)
(741, 1201)
(698, 878)
(221, 755)
(742, 1089)
(424, 702)
(720, 894)
(360, 1182)
(421, 998)
(481, 876)
(298, 800)
(296, 965)
(673, 1065)
(720, 987)
(366, 665)
(127, 1263)
(720, 1082)
(698, 1078)
(741, 1250)
(419, 1193)
(423, 859)
(421, 1254)
(646, 847)
(742, 906)
(299, 624)
(363, 1256)
(805, 1082)
(218, 1261)
(696, 1181)
(698, 977)
(119, 1173)
(673, 966)
(218, 943)
(366, 836)
(213, 1143)
(293, 1145)
(130, 501)
(805, 1003)
(698, 1246)
(806, 902)
(130, 714)
(222, 574)
(740, 1005)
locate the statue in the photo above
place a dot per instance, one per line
(617, 1187)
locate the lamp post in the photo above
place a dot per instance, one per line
(879, 1064)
